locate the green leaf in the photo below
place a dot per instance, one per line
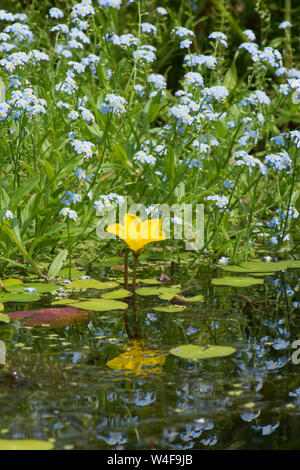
(25, 444)
(158, 290)
(258, 266)
(4, 318)
(65, 301)
(23, 190)
(23, 298)
(40, 287)
(195, 298)
(236, 281)
(57, 263)
(11, 282)
(169, 308)
(117, 294)
(148, 281)
(91, 284)
(195, 352)
(100, 305)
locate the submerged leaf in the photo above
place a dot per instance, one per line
(195, 352)
(52, 316)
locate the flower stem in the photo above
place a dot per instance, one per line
(126, 269)
(136, 257)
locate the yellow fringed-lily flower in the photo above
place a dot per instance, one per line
(137, 233)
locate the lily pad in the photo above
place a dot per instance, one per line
(16, 297)
(158, 290)
(169, 308)
(236, 281)
(91, 284)
(75, 273)
(195, 298)
(39, 287)
(101, 305)
(65, 301)
(4, 318)
(234, 269)
(258, 267)
(11, 282)
(195, 352)
(25, 444)
(117, 294)
(148, 281)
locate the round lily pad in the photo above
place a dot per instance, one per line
(16, 297)
(101, 305)
(39, 287)
(170, 291)
(169, 308)
(116, 294)
(25, 444)
(195, 352)
(91, 284)
(236, 281)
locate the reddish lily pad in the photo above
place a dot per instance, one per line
(51, 316)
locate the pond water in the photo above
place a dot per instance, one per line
(109, 381)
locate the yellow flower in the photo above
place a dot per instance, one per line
(139, 360)
(137, 233)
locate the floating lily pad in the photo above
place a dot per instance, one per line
(39, 287)
(195, 298)
(91, 284)
(52, 316)
(169, 308)
(101, 305)
(65, 301)
(158, 290)
(4, 318)
(75, 273)
(293, 263)
(258, 267)
(25, 444)
(16, 297)
(234, 269)
(148, 281)
(195, 352)
(117, 294)
(11, 282)
(236, 281)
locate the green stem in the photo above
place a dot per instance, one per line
(136, 257)
(126, 269)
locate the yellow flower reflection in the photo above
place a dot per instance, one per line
(138, 359)
(137, 233)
